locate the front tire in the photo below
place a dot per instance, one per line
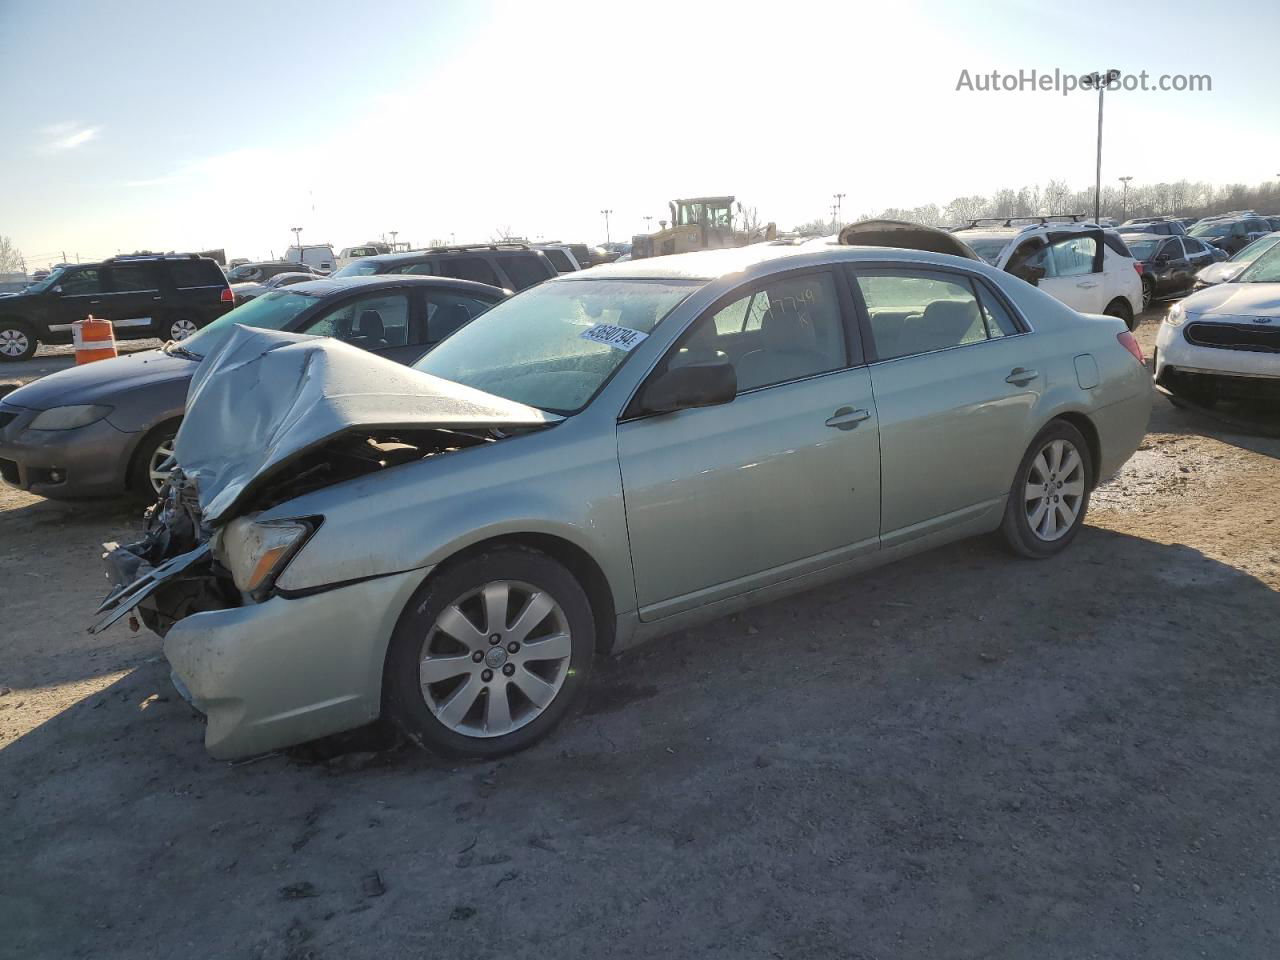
(147, 476)
(1050, 493)
(489, 654)
(17, 341)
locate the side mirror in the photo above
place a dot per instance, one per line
(57, 289)
(695, 385)
(1032, 274)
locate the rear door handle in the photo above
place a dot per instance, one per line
(1021, 376)
(1086, 284)
(846, 418)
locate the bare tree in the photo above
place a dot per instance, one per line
(11, 260)
(500, 234)
(962, 209)
(750, 222)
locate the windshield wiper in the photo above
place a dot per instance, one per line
(175, 349)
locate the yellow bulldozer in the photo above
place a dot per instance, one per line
(701, 223)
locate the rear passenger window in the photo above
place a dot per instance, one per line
(195, 273)
(128, 279)
(524, 269)
(468, 268)
(914, 313)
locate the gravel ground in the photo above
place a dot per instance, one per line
(960, 755)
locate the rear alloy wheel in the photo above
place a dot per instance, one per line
(490, 654)
(1147, 288)
(17, 341)
(180, 329)
(1050, 493)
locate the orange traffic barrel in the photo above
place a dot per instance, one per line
(94, 339)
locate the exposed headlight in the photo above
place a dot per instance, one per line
(68, 418)
(256, 553)
(1177, 313)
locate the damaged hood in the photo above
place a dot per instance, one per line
(266, 397)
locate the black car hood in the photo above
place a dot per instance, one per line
(265, 397)
(98, 382)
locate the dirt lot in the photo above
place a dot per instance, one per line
(962, 755)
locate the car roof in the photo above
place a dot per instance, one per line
(757, 259)
(431, 252)
(327, 286)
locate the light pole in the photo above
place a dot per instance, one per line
(1124, 199)
(394, 234)
(647, 222)
(606, 224)
(835, 220)
(1102, 81)
(297, 241)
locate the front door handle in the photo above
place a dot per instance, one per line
(846, 418)
(1086, 284)
(1021, 376)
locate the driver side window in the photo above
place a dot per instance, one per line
(788, 329)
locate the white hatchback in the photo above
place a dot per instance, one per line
(1085, 266)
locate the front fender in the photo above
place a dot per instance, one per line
(561, 482)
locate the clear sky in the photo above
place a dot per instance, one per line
(174, 125)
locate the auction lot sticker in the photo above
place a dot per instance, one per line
(612, 335)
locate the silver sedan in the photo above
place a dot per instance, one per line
(602, 459)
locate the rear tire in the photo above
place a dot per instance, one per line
(179, 329)
(1147, 292)
(1050, 493)
(17, 341)
(1121, 310)
(445, 637)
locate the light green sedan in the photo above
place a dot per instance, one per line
(602, 459)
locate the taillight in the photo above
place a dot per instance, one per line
(228, 296)
(1130, 343)
(1137, 266)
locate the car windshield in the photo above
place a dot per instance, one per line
(271, 311)
(555, 345)
(1266, 269)
(1211, 230)
(1254, 250)
(364, 267)
(40, 286)
(988, 248)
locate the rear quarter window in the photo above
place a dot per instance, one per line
(195, 273)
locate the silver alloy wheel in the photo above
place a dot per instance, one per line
(1148, 293)
(1055, 490)
(495, 659)
(13, 343)
(181, 329)
(158, 473)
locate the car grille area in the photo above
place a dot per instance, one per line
(1254, 337)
